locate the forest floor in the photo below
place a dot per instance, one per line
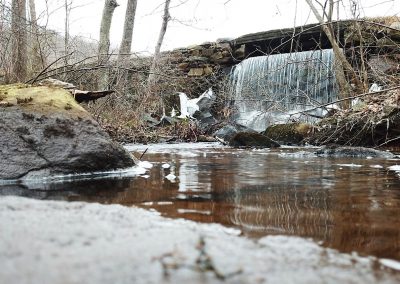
(372, 121)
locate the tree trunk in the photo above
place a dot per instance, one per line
(19, 48)
(342, 65)
(66, 31)
(37, 62)
(104, 43)
(126, 43)
(153, 68)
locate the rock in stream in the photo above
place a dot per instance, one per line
(44, 131)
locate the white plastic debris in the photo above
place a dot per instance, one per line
(189, 107)
(375, 88)
(355, 102)
(184, 102)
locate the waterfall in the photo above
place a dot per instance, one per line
(271, 89)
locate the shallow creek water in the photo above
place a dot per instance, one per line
(349, 204)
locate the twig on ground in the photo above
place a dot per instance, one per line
(141, 156)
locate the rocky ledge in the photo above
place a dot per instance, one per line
(59, 242)
(44, 131)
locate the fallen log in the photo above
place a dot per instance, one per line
(79, 95)
(86, 96)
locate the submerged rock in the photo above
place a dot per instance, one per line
(357, 152)
(43, 131)
(251, 139)
(289, 133)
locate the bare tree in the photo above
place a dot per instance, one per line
(342, 65)
(4, 41)
(126, 42)
(68, 4)
(104, 44)
(19, 46)
(37, 60)
(354, 8)
(163, 30)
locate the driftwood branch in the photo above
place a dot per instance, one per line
(79, 95)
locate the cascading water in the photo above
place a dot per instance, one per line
(274, 89)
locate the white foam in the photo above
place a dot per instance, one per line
(171, 177)
(299, 154)
(188, 211)
(173, 147)
(145, 164)
(126, 172)
(393, 264)
(395, 168)
(349, 165)
(164, 203)
(376, 166)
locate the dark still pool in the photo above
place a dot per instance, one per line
(350, 204)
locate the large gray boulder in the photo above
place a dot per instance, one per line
(43, 131)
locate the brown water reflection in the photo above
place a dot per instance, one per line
(347, 207)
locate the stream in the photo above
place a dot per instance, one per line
(349, 204)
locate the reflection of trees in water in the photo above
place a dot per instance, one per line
(277, 209)
(356, 214)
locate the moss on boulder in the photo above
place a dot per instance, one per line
(43, 131)
(252, 140)
(289, 133)
(45, 100)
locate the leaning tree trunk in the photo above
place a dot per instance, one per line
(153, 68)
(104, 43)
(19, 46)
(342, 65)
(126, 43)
